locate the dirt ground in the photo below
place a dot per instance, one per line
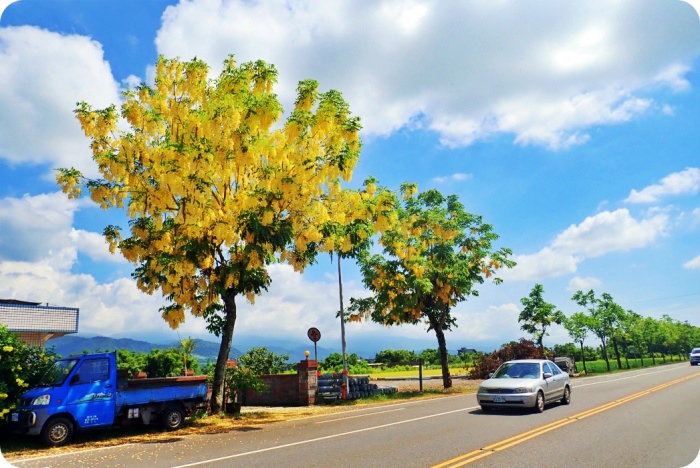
(407, 385)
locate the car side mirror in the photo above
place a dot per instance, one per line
(547, 375)
(490, 374)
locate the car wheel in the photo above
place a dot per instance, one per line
(173, 417)
(486, 409)
(539, 403)
(566, 399)
(57, 432)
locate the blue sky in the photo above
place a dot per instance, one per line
(570, 126)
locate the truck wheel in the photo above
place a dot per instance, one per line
(173, 417)
(57, 432)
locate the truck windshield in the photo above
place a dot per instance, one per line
(57, 374)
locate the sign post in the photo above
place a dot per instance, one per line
(314, 335)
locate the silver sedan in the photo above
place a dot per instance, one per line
(525, 383)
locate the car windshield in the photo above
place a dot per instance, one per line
(695, 351)
(518, 370)
(57, 373)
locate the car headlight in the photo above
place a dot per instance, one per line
(480, 390)
(523, 390)
(43, 400)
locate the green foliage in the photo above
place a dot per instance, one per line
(431, 357)
(239, 379)
(261, 361)
(157, 363)
(568, 349)
(130, 361)
(164, 363)
(391, 356)
(334, 364)
(21, 368)
(538, 315)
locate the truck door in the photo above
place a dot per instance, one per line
(91, 394)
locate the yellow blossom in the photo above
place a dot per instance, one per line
(8, 349)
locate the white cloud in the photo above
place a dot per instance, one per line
(692, 264)
(459, 177)
(686, 181)
(610, 231)
(44, 74)
(94, 246)
(493, 323)
(35, 228)
(606, 232)
(547, 263)
(579, 283)
(397, 62)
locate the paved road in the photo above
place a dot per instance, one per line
(647, 418)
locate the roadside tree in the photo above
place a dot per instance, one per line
(215, 189)
(433, 257)
(603, 318)
(538, 315)
(261, 360)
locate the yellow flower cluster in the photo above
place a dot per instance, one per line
(8, 349)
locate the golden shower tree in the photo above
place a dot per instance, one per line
(217, 188)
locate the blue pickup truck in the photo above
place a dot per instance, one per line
(84, 392)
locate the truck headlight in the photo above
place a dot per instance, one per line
(42, 400)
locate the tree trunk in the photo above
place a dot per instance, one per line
(617, 354)
(605, 355)
(442, 349)
(217, 396)
(583, 359)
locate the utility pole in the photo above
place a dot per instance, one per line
(344, 388)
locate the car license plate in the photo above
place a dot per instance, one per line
(499, 399)
(15, 417)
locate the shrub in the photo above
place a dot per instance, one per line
(21, 367)
(487, 363)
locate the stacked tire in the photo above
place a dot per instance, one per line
(330, 387)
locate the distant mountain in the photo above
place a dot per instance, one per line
(204, 350)
(365, 347)
(75, 344)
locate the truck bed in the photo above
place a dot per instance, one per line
(144, 391)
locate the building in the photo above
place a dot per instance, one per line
(35, 323)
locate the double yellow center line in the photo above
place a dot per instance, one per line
(520, 438)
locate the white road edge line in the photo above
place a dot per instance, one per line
(360, 416)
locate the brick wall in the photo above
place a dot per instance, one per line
(287, 389)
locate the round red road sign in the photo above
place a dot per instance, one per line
(313, 334)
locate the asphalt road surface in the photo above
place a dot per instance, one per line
(646, 418)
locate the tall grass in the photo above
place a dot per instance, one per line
(599, 366)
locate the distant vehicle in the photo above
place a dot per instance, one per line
(525, 383)
(694, 357)
(84, 392)
(566, 364)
